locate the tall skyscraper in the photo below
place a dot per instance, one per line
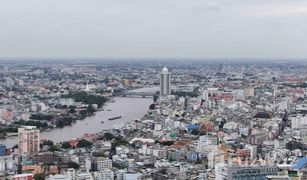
(29, 139)
(165, 82)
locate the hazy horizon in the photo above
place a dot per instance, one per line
(167, 29)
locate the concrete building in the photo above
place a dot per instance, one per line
(105, 174)
(298, 122)
(165, 82)
(23, 177)
(253, 150)
(249, 92)
(84, 176)
(2, 165)
(131, 176)
(103, 163)
(226, 172)
(29, 139)
(58, 177)
(71, 173)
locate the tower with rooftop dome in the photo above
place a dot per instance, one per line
(165, 82)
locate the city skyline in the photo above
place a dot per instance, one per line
(107, 121)
(153, 90)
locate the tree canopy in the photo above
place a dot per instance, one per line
(84, 144)
(66, 145)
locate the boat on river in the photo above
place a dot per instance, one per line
(113, 118)
(11, 134)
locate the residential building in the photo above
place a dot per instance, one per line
(29, 139)
(103, 163)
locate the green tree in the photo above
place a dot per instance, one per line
(155, 96)
(120, 140)
(108, 136)
(65, 121)
(83, 113)
(66, 145)
(73, 165)
(39, 176)
(72, 110)
(195, 132)
(54, 148)
(48, 143)
(152, 106)
(90, 109)
(84, 144)
(167, 143)
(86, 98)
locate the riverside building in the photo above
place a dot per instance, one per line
(28, 140)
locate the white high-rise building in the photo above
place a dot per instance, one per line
(165, 82)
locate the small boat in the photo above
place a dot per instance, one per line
(102, 122)
(11, 134)
(113, 118)
(108, 109)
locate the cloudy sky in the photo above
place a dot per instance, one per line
(153, 28)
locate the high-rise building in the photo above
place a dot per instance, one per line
(165, 82)
(29, 139)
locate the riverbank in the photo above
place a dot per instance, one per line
(51, 121)
(129, 108)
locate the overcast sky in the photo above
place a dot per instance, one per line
(153, 28)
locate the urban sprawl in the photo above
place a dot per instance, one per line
(205, 120)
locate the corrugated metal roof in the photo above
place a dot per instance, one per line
(299, 164)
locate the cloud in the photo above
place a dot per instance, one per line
(296, 8)
(153, 28)
(214, 6)
(204, 6)
(285, 11)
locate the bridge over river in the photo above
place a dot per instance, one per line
(134, 94)
(147, 92)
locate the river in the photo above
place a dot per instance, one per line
(129, 108)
